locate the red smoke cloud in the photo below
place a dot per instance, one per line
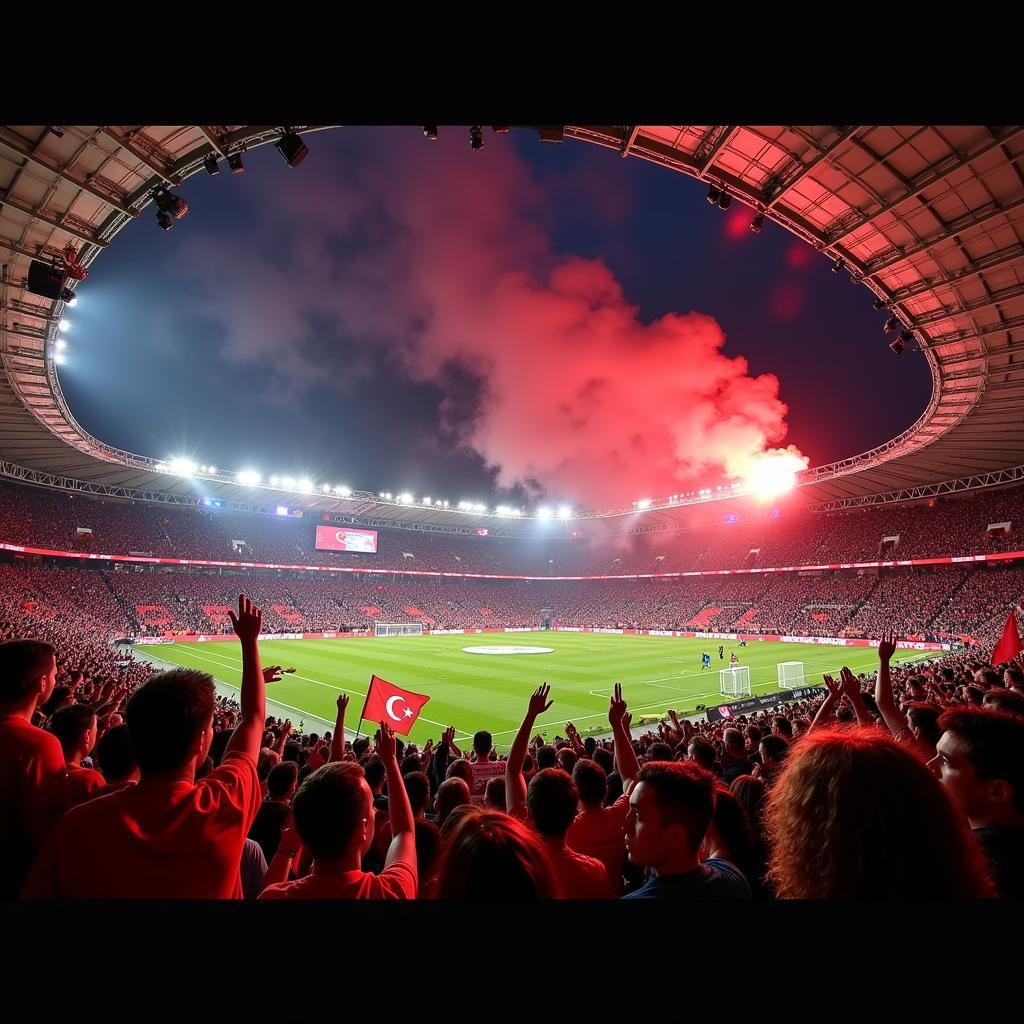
(453, 262)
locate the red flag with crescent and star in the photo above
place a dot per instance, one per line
(386, 702)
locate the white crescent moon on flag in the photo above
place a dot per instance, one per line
(390, 710)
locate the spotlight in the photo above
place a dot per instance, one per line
(235, 163)
(211, 165)
(724, 200)
(64, 325)
(757, 224)
(890, 325)
(552, 133)
(898, 345)
(476, 138)
(430, 131)
(169, 205)
(837, 266)
(713, 195)
(880, 304)
(291, 148)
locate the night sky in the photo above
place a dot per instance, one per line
(399, 314)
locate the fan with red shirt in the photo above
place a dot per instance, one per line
(386, 702)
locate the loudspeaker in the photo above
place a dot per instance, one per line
(44, 279)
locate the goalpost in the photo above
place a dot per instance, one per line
(398, 629)
(734, 682)
(791, 674)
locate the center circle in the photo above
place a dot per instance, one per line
(507, 649)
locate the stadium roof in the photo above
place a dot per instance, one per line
(930, 219)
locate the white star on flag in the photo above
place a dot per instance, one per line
(408, 712)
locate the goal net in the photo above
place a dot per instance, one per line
(398, 629)
(791, 674)
(735, 682)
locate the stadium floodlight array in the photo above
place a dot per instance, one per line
(791, 674)
(734, 682)
(398, 629)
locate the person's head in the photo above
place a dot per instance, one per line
(115, 756)
(750, 792)
(856, 815)
(702, 752)
(417, 787)
(730, 835)
(460, 768)
(333, 812)
(292, 752)
(782, 726)
(170, 720)
(845, 715)
(923, 719)
(591, 783)
(566, 759)
(660, 751)
(552, 799)
(265, 762)
(76, 727)
(28, 674)
(589, 746)
(282, 781)
(606, 759)
(1002, 699)
(1013, 677)
(733, 740)
(450, 794)
(670, 810)
(494, 794)
(482, 744)
(428, 845)
(546, 758)
(491, 856)
(360, 746)
(410, 763)
(978, 759)
(752, 735)
(989, 678)
(374, 772)
(773, 752)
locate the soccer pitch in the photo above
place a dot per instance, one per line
(476, 691)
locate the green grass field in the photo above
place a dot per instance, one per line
(474, 691)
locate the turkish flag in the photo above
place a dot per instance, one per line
(1009, 645)
(386, 702)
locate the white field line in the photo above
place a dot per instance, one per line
(230, 663)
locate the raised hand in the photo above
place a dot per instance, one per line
(887, 647)
(616, 707)
(386, 746)
(834, 689)
(272, 674)
(249, 621)
(539, 702)
(851, 684)
(342, 703)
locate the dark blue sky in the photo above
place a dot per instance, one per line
(153, 366)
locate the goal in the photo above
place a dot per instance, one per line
(791, 673)
(735, 682)
(398, 629)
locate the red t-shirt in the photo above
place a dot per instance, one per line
(397, 882)
(33, 795)
(83, 784)
(579, 877)
(155, 840)
(601, 834)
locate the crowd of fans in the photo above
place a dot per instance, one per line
(952, 526)
(118, 783)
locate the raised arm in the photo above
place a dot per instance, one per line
(851, 687)
(403, 826)
(515, 782)
(625, 756)
(894, 719)
(338, 739)
(248, 733)
(828, 705)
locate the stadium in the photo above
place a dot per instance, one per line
(730, 638)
